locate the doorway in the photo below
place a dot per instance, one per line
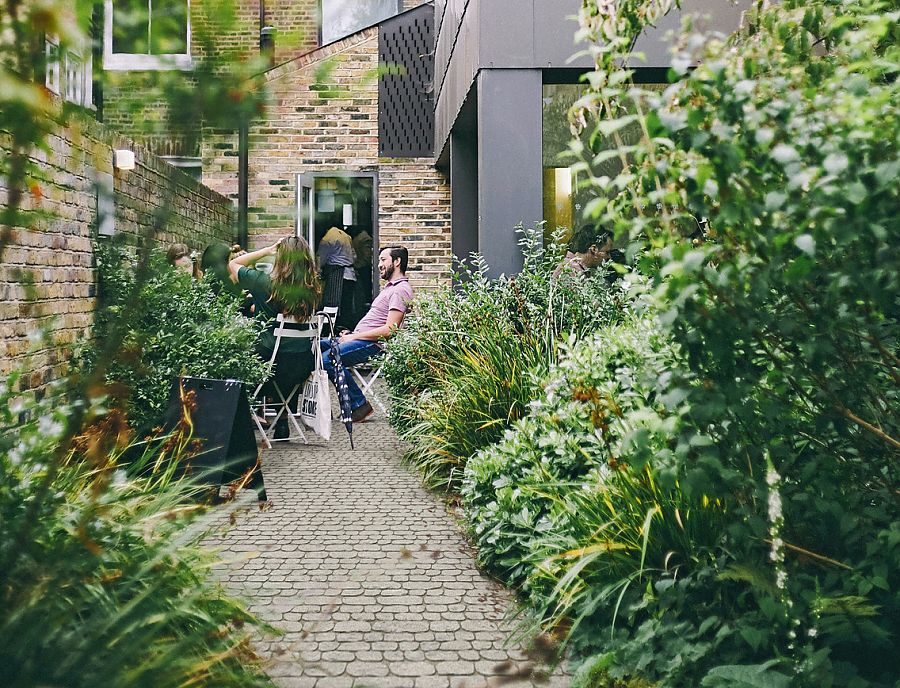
(345, 201)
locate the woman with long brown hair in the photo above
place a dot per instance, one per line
(292, 289)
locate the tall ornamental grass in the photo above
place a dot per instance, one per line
(558, 509)
(464, 368)
(102, 582)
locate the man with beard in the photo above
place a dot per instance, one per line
(382, 320)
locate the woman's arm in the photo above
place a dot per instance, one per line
(235, 264)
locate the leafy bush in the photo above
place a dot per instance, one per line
(462, 370)
(172, 326)
(101, 585)
(788, 140)
(555, 498)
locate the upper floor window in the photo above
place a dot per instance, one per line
(341, 18)
(147, 34)
(67, 73)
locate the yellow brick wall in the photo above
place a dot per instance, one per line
(55, 256)
(306, 133)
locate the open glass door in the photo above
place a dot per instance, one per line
(306, 224)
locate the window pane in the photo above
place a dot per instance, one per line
(564, 201)
(342, 17)
(168, 27)
(130, 26)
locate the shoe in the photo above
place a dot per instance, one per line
(262, 421)
(360, 413)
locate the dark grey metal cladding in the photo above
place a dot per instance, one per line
(463, 159)
(406, 98)
(498, 34)
(510, 182)
(709, 16)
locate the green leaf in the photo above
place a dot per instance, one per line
(747, 676)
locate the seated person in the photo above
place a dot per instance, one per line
(382, 320)
(590, 248)
(179, 257)
(292, 289)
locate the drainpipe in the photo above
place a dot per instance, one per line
(266, 35)
(243, 183)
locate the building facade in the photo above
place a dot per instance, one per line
(504, 78)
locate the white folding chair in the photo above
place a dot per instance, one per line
(288, 327)
(331, 313)
(365, 374)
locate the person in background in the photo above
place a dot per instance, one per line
(214, 262)
(381, 322)
(362, 294)
(293, 289)
(179, 257)
(335, 257)
(589, 248)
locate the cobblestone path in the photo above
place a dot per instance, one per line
(367, 573)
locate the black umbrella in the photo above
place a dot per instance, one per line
(340, 381)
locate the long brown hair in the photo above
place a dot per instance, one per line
(295, 286)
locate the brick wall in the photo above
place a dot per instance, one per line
(55, 255)
(307, 133)
(296, 26)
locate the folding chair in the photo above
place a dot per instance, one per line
(290, 328)
(366, 373)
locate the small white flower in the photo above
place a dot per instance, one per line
(781, 579)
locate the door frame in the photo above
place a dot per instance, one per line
(306, 191)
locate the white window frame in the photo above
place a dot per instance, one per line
(67, 73)
(134, 62)
(53, 70)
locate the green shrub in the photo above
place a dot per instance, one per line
(464, 368)
(788, 140)
(532, 490)
(172, 326)
(101, 584)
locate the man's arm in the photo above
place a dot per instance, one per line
(386, 331)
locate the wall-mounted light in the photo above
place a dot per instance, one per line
(348, 214)
(123, 159)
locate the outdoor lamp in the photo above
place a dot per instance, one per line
(123, 159)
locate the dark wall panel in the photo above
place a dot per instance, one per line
(406, 95)
(510, 177)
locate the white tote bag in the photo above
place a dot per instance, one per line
(315, 406)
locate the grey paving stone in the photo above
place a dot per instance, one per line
(365, 571)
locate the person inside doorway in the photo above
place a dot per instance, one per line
(380, 323)
(362, 293)
(336, 257)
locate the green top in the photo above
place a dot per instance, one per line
(260, 287)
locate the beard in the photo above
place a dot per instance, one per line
(388, 273)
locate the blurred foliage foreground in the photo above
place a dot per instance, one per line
(103, 582)
(707, 492)
(102, 578)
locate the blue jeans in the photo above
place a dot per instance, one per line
(352, 353)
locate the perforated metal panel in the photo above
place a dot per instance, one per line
(406, 93)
